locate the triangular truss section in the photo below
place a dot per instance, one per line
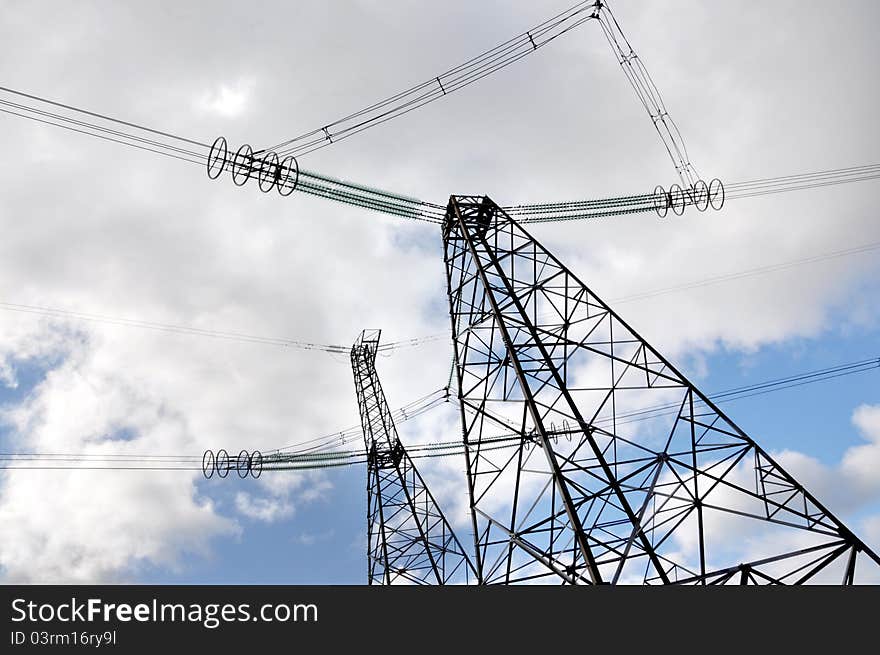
(617, 469)
(409, 540)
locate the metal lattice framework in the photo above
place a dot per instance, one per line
(593, 494)
(409, 540)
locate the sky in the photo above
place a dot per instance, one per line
(89, 226)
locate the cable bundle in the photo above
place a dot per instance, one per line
(437, 87)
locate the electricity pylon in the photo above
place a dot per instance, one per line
(623, 471)
(409, 540)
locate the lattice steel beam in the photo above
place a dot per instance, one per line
(593, 492)
(409, 540)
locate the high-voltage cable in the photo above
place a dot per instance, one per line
(440, 85)
(649, 95)
(322, 452)
(287, 178)
(676, 200)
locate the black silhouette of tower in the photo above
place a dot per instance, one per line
(409, 539)
(622, 470)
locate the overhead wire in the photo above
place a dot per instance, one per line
(395, 204)
(872, 246)
(103, 117)
(194, 152)
(750, 272)
(67, 314)
(387, 348)
(441, 85)
(647, 202)
(410, 410)
(749, 391)
(407, 207)
(648, 94)
(53, 312)
(331, 456)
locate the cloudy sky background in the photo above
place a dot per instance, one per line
(89, 226)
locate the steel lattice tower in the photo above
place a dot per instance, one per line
(590, 493)
(409, 539)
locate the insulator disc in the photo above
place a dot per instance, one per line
(661, 201)
(269, 172)
(677, 199)
(256, 464)
(716, 194)
(701, 195)
(208, 464)
(242, 464)
(242, 164)
(288, 176)
(217, 157)
(222, 462)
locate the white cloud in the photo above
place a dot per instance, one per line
(280, 489)
(848, 489)
(78, 529)
(73, 526)
(853, 483)
(121, 232)
(227, 100)
(7, 375)
(871, 529)
(312, 538)
(263, 508)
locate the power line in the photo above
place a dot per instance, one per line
(648, 94)
(333, 457)
(441, 85)
(180, 148)
(751, 272)
(759, 388)
(401, 414)
(728, 277)
(66, 314)
(604, 207)
(850, 170)
(414, 342)
(104, 117)
(53, 312)
(410, 208)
